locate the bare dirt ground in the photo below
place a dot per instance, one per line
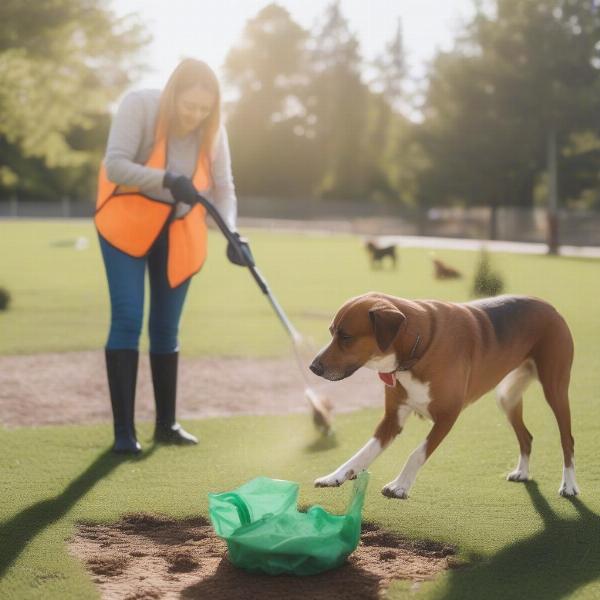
(145, 557)
(51, 389)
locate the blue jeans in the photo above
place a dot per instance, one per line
(125, 276)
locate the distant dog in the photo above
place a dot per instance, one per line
(378, 253)
(436, 358)
(444, 271)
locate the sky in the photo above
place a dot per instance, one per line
(207, 29)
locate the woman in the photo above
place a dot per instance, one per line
(162, 149)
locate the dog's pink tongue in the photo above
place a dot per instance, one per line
(387, 378)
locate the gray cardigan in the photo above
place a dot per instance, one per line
(130, 144)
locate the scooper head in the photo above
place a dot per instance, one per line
(321, 411)
(320, 407)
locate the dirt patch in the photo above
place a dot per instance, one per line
(49, 389)
(144, 557)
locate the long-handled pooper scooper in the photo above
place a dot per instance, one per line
(321, 410)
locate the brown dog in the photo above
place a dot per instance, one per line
(437, 357)
(444, 271)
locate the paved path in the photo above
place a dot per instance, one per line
(492, 246)
(415, 241)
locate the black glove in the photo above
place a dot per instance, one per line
(181, 187)
(233, 254)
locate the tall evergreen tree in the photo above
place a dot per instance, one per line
(270, 124)
(391, 70)
(339, 101)
(393, 156)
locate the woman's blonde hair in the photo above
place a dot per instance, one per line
(189, 73)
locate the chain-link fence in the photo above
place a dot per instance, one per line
(576, 227)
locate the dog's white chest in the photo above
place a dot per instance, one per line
(383, 364)
(417, 392)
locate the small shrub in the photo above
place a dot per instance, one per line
(4, 299)
(486, 282)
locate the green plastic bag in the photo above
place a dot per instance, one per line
(265, 532)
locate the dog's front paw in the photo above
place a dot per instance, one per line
(334, 479)
(568, 489)
(568, 485)
(518, 475)
(395, 490)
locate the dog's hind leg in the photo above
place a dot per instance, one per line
(553, 360)
(510, 399)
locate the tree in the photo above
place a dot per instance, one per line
(339, 100)
(270, 125)
(525, 70)
(391, 71)
(558, 79)
(394, 157)
(62, 62)
(580, 173)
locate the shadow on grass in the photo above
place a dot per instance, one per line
(18, 531)
(322, 443)
(550, 564)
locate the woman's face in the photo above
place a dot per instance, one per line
(192, 106)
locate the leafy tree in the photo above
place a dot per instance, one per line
(525, 69)
(580, 173)
(270, 125)
(339, 100)
(62, 62)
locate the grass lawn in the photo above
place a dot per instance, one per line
(523, 540)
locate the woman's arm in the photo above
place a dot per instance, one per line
(124, 142)
(223, 192)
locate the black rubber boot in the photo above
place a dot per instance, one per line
(121, 367)
(164, 379)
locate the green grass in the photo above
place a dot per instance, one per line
(523, 540)
(60, 296)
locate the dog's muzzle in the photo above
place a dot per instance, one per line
(317, 368)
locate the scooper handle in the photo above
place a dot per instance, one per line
(262, 284)
(218, 219)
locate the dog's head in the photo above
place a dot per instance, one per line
(363, 334)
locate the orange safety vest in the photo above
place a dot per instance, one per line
(131, 221)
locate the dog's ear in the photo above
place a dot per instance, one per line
(386, 321)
